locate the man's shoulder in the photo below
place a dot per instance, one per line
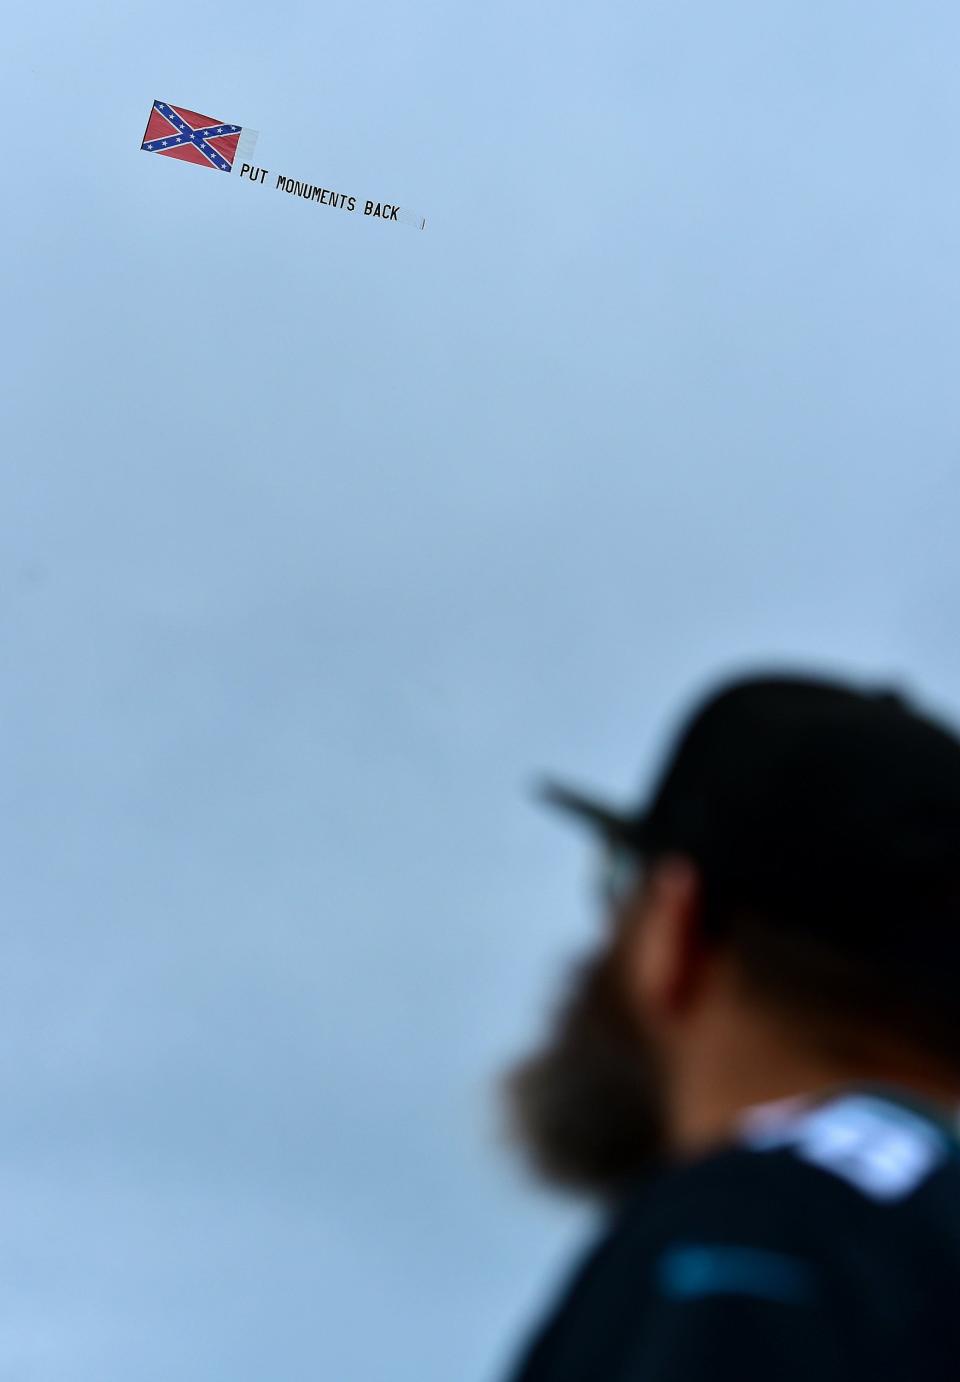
(824, 1241)
(857, 1163)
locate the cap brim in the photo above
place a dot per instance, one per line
(604, 819)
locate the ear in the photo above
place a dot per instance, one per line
(665, 953)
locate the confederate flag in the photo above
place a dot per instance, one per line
(181, 133)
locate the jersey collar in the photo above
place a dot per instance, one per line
(765, 1117)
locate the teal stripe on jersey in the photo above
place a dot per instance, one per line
(689, 1270)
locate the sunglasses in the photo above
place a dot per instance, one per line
(619, 872)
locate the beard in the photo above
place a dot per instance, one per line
(587, 1108)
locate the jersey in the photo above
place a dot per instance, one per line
(822, 1244)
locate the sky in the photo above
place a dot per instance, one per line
(321, 538)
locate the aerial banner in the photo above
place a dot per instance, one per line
(176, 132)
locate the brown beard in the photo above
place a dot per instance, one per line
(587, 1106)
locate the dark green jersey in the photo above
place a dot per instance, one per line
(823, 1244)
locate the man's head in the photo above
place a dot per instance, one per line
(787, 914)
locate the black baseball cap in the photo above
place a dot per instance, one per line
(830, 806)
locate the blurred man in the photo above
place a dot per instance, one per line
(759, 1074)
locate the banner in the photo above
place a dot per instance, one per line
(176, 132)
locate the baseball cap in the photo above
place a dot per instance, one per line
(831, 806)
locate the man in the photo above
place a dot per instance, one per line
(759, 1074)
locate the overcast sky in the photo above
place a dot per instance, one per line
(321, 537)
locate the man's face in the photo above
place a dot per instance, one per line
(587, 1107)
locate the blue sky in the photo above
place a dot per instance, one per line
(320, 538)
